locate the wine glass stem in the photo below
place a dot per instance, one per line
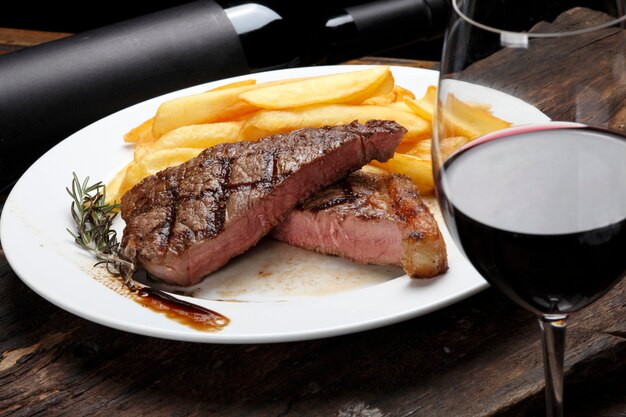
(553, 340)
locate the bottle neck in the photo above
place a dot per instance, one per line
(279, 34)
(379, 25)
(276, 34)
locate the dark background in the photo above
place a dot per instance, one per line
(72, 17)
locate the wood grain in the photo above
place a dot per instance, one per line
(370, 60)
(14, 39)
(480, 357)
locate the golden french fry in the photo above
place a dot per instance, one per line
(209, 107)
(235, 84)
(268, 122)
(199, 136)
(140, 133)
(146, 136)
(419, 170)
(113, 187)
(154, 162)
(480, 106)
(403, 107)
(351, 87)
(192, 136)
(400, 107)
(381, 100)
(141, 150)
(420, 149)
(406, 146)
(371, 169)
(402, 92)
(416, 162)
(447, 146)
(462, 119)
(384, 93)
(220, 104)
(425, 106)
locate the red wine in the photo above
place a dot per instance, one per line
(541, 212)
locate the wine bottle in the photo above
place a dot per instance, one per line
(51, 90)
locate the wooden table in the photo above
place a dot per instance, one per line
(480, 357)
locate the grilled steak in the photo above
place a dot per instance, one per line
(369, 219)
(187, 221)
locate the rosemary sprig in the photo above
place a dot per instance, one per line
(94, 218)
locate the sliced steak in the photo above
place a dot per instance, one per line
(187, 221)
(369, 219)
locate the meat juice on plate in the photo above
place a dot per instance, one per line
(541, 212)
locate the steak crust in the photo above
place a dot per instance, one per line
(372, 220)
(187, 221)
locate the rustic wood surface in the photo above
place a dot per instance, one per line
(480, 357)
(14, 39)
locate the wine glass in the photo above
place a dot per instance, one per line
(529, 154)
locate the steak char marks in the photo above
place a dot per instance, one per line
(187, 221)
(369, 219)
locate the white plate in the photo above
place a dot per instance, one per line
(297, 296)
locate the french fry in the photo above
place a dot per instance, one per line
(141, 133)
(268, 122)
(371, 169)
(235, 84)
(479, 106)
(351, 87)
(213, 106)
(192, 136)
(447, 146)
(385, 93)
(220, 104)
(402, 92)
(141, 150)
(381, 100)
(425, 106)
(154, 162)
(419, 170)
(146, 136)
(403, 107)
(114, 186)
(199, 136)
(422, 149)
(462, 119)
(416, 162)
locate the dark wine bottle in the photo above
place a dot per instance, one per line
(51, 90)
